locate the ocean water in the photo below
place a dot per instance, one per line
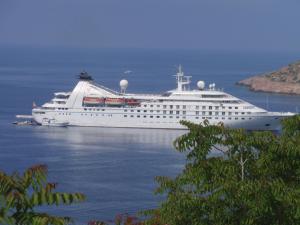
(115, 168)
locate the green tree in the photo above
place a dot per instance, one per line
(20, 195)
(253, 179)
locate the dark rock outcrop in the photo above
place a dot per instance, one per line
(285, 81)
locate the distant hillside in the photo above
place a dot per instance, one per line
(286, 80)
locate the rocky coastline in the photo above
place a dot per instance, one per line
(284, 81)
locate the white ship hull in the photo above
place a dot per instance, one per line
(90, 105)
(268, 121)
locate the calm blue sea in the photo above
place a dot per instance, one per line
(115, 168)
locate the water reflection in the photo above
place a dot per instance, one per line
(96, 137)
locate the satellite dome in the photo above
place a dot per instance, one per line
(123, 85)
(201, 84)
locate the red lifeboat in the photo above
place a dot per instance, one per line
(115, 101)
(132, 102)
(93, 100)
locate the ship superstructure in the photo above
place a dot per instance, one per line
(91, 104)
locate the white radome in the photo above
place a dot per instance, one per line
(123, 84)
(201, 84)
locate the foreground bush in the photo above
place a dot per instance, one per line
(21, 194)
(254, 178)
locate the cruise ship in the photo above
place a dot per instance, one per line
(91, 104)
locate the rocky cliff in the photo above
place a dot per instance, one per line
(286, 80)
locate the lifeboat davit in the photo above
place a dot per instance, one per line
(132, 102)
(115, 101)
(93, 100)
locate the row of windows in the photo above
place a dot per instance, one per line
(183, 117)
(145, 116)
(197, 107)
(184, 112)
(176, 107)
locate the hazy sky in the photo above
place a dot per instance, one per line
(202, 24)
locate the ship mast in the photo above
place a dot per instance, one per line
(182, 80)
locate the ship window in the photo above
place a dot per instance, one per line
(236, 118)
(243, 113)
(84, 109)
(158, 111)
(145, 105)
(223, 113)
(177, 112)
(164, 116)
(216, 118)
(103, 109)
(132, 110)
(236, 107)
(184, 112)
(184, 106)
(151, 111)
(216, 113)
(171, 106)
(229, 113)
(98, 109)
(250, 118)
(145, 116)
(177, 106)
(164, 106)
(223, 118)
(165, 112)
(157, 116)
(171, 116)
(197, 112)
(138, 110)
(210, 107)
(158, 106)
(197, 117)
(210, 113)
(203, 113)
(171, 112)
(183, 117)
(243, 118)
(203, 118)
(217, 107)
(131, 116)
(229, 118)
(151, 116)
(138, 116)
(248, 112)
(145, 110)
(236, 113)
(197, 107)
(125, 110)
(125, 115)
(151, 105)
(203, 107)
(230, 107)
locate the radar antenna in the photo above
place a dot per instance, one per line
(182, 80)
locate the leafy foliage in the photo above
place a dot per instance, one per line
(121, 219)
(21, 194)
(234, 177)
